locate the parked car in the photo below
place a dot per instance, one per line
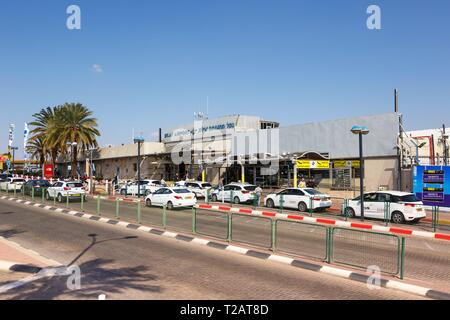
(403, 206)
(235, 192)
(62, 190)
(11, 184)
(5, 176)
(37, 185)
(146, 187)
(171, 197)
(302, 199)
(199, 188)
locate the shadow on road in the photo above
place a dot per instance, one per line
(9, 233)
(98, 276)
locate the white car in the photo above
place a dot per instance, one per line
(171, 198)
(12, 183)
(302, 199)
(235, 192)
(403, 206)
(61, 190)
(146, 187)
(199, 188)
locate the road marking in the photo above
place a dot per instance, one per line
(237, 249)
(407, 287)
(145, 229)
(337, 272)
(169, 234)
(123, 224)
(200, 241)
(281, 259)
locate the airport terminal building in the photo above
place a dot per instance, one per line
(255, 150)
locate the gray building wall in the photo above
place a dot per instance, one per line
(334, 137)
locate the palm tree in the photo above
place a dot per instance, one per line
(72, 124)
(41, 122)
(36, 149)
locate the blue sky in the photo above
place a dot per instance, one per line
(292, 61)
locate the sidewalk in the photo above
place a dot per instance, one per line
(12, 252)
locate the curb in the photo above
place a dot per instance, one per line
(346, 224)
(342, 273)
(9, 266)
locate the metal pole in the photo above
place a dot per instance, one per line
(139, 169)
(361, 178)
(139, 212)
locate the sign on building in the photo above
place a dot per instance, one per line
(313, 164)
(340, 164)
(432, 185)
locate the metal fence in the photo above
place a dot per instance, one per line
(335, 245)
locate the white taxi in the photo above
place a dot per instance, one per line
(61, 190)
(302, 199)
(11, 184)
(171, 198)
(235, 192)
(403, 206)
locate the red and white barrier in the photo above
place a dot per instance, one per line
(338, 223)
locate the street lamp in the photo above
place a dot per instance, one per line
(360, 131)
(14, 152)
(139, 141)
(91, 189)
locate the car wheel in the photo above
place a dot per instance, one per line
(350, 212)
(148, 202)
(123, 192)
(236, 200)
(302, 207)
(47, 196)
(214, 198)
(398, 218)
(60, 198)
(169, 205)
(270, 203)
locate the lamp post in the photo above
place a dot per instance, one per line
(139, 141)
(14, 153)
(91, 189)
(72, 145)
(360, 131)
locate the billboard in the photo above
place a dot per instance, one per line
(432, 185)
(313, 164)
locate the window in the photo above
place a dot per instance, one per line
(407, 198)
(384, 197)
(296, 192)
(228, 188)
(75, 185)
(182, 191)
(250, 188)
(206, 185)
(160, 191)
(313, 192)
(283, 193)
(370, 197)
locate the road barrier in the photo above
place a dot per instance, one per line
(335, 242)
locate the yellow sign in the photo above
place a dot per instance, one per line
(313, 164)
(1, 165)
(347, 164)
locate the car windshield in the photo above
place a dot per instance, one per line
(18, 180)
(206, 185)
(182, 191)
(75, 185)
(250, 188)
(312, 191)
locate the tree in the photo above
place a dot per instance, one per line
(36, 148)
(72, 124)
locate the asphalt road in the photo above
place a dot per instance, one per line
(427, 261)
(127, 264)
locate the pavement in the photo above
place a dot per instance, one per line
(127, 264)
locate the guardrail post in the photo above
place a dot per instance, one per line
(435, 218)
(402, 258)
(54, 200)
(281, 203)
(67, 199)
(329, 245)
(32, 193)
(230, 227)
(310, 206)
(42, 195)
(117, 208)
(274, 234)
(15, 186)
(164, 217)
(345, 209)
(139, 211)
(207, 196)
(194, 220)
(98, 205)
(387, 212)
(82, 203)
(231, 198)
(23, 191)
